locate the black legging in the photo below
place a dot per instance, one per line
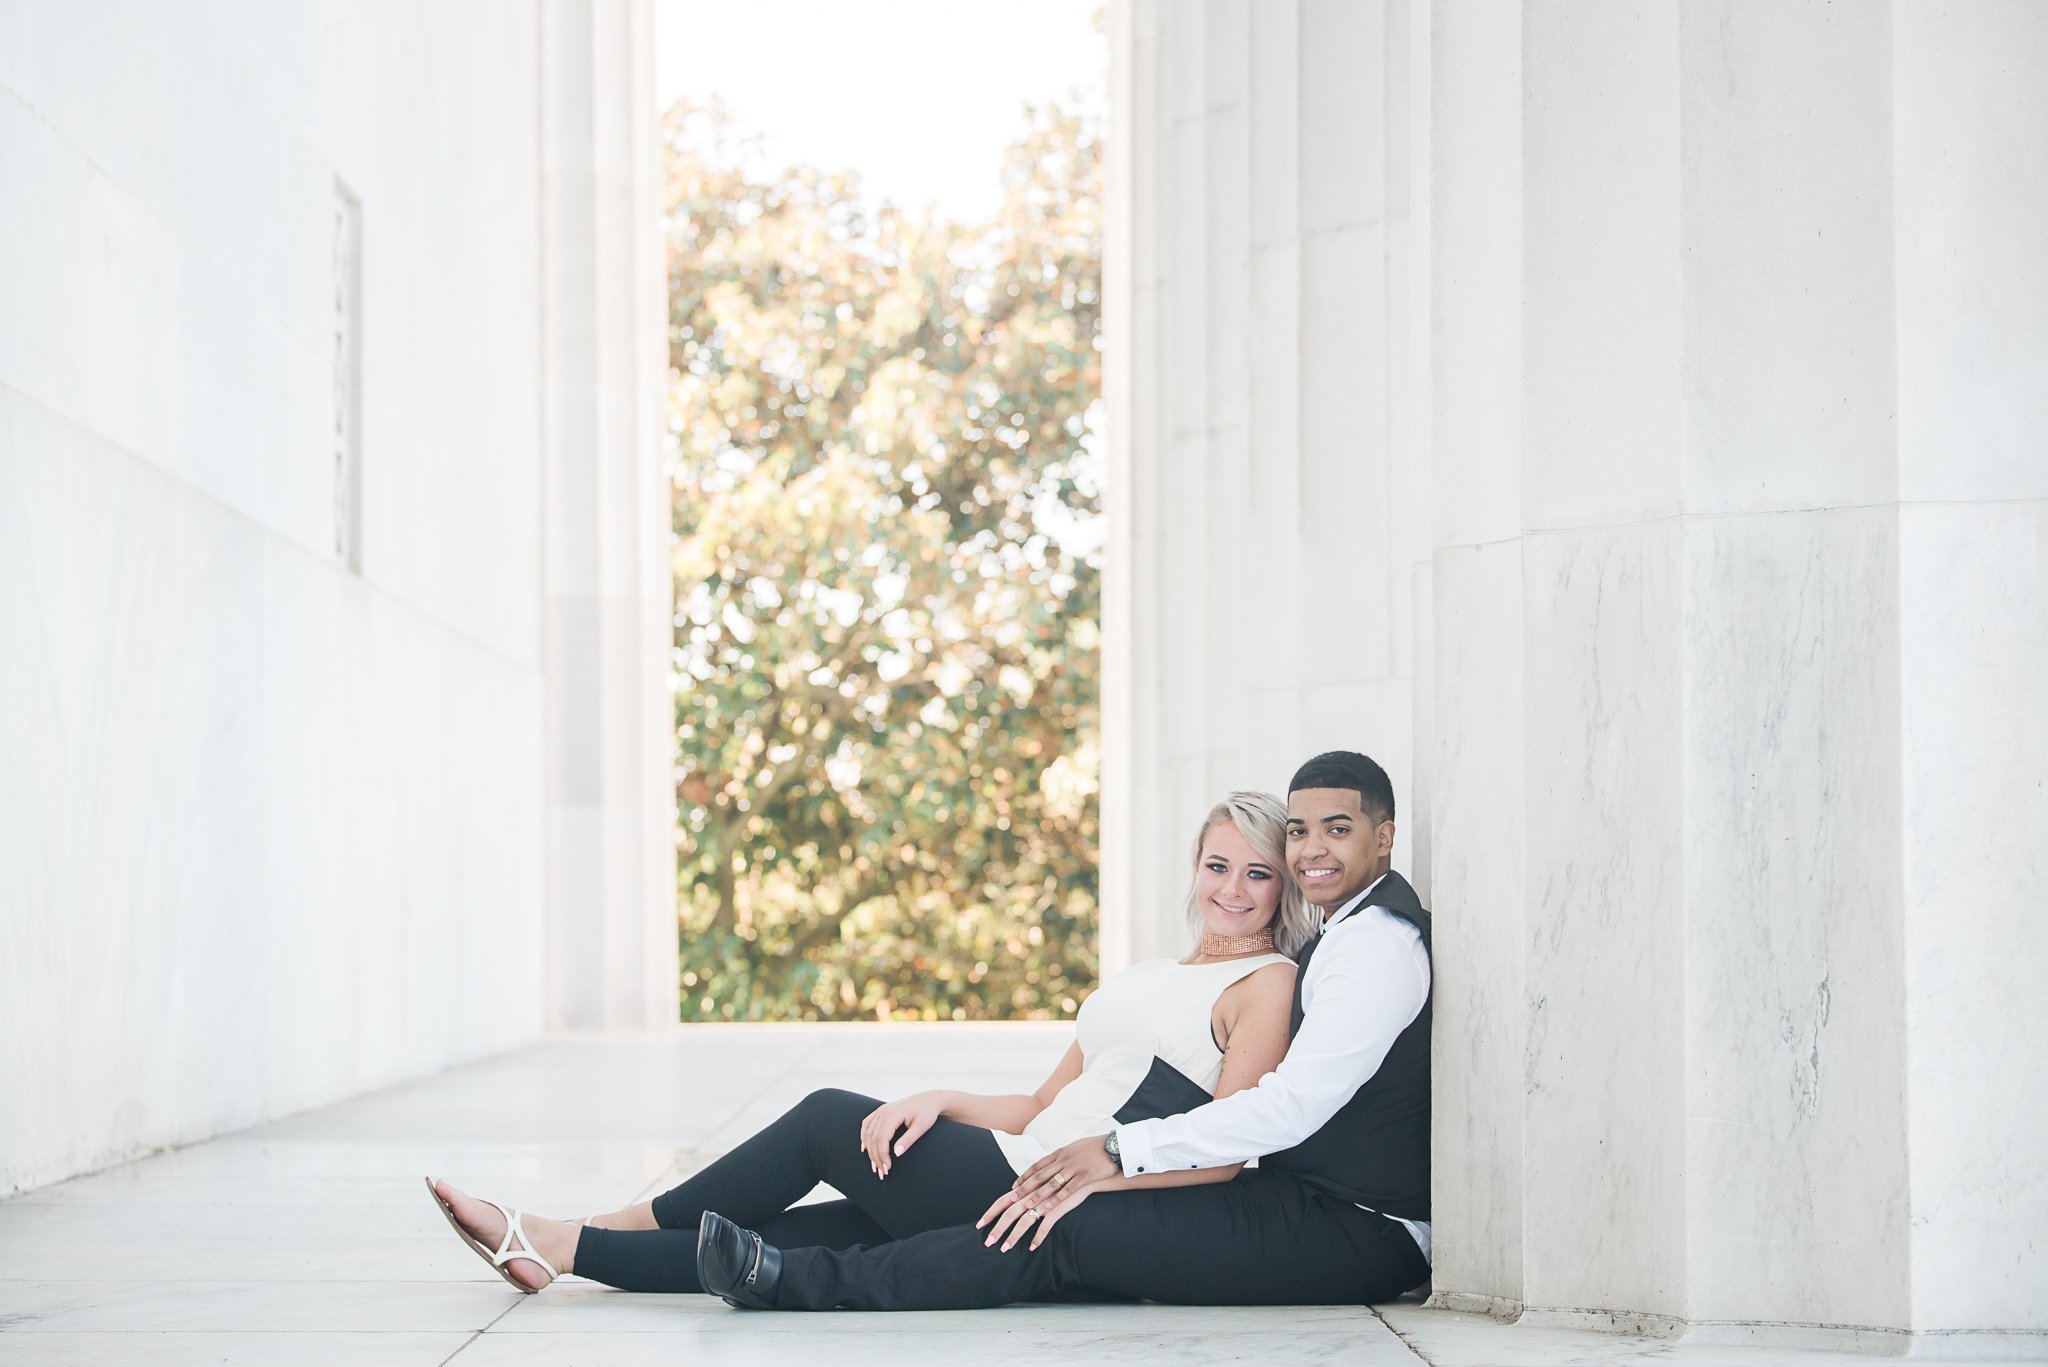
(949, 1177)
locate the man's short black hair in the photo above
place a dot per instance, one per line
(1349, 769)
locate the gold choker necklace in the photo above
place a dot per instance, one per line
(1226, 946)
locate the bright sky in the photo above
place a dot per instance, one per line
(920, 97)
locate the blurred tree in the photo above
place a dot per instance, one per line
(887, 508)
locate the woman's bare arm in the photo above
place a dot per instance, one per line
(910, 1117)
(1013, 1112)
(1251, 1018)
(1251, 1022)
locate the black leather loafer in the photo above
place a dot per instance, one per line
(736, 1264)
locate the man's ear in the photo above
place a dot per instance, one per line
(1385, 832)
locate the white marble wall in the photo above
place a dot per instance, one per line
(1728, 320)
(271, 832)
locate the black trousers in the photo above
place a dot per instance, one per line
(949, 1177)
(1261, 1239)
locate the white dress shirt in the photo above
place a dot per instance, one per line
(1366, 983)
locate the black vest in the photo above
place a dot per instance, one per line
(1375, 1150)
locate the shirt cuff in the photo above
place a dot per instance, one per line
(1135, 1147)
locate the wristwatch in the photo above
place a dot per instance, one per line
(1116, 1155)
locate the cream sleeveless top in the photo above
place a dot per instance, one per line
(1146, 1050)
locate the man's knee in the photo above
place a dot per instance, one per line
(1114, 1240)
(1072, 1237)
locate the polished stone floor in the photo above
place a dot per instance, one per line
(310, 1241)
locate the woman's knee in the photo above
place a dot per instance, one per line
(828, 1120)
(835, 1106)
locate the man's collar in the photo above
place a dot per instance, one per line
(1354, 904)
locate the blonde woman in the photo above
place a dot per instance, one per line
(1156, 1040)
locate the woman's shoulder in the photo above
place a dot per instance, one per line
(1266, 966)
(1277, 969)
(1138, 972)
(1275, 975)
(1258, 963)
(1265, 993)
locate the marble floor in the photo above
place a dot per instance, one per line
(310, 1241)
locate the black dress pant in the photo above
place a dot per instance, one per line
(949, 1177)
(1261, 1239)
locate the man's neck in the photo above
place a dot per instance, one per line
(1336, 910)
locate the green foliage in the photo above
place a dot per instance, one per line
(886, 502)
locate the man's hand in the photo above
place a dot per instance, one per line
(1046, 1183)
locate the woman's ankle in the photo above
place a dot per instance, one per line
(631, 1218)
(567, 1263)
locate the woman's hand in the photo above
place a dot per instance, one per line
(1013, 1217)
(913, 1115)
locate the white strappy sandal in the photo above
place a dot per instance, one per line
(513, 1245)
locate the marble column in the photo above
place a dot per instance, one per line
(1969, 138)
(607, 593)
(1626, 421)
(1265, 534)
(1475, 97)
(1735, 844)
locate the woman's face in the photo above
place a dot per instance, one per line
(1238, 891)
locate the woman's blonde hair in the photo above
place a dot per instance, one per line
(1261, 819)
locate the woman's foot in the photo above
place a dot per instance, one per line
(554, 1240)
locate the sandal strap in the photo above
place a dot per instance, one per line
(515, 1244)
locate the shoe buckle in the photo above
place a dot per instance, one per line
(755, 1270)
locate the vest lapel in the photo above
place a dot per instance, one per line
(1300, 977)
(1396, 896)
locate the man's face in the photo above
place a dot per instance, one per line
(1334, 848)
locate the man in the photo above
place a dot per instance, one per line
(1336, 1213)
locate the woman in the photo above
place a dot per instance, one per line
(1157, 1040)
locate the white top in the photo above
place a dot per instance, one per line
(1158, 1009)
(1366, 984)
